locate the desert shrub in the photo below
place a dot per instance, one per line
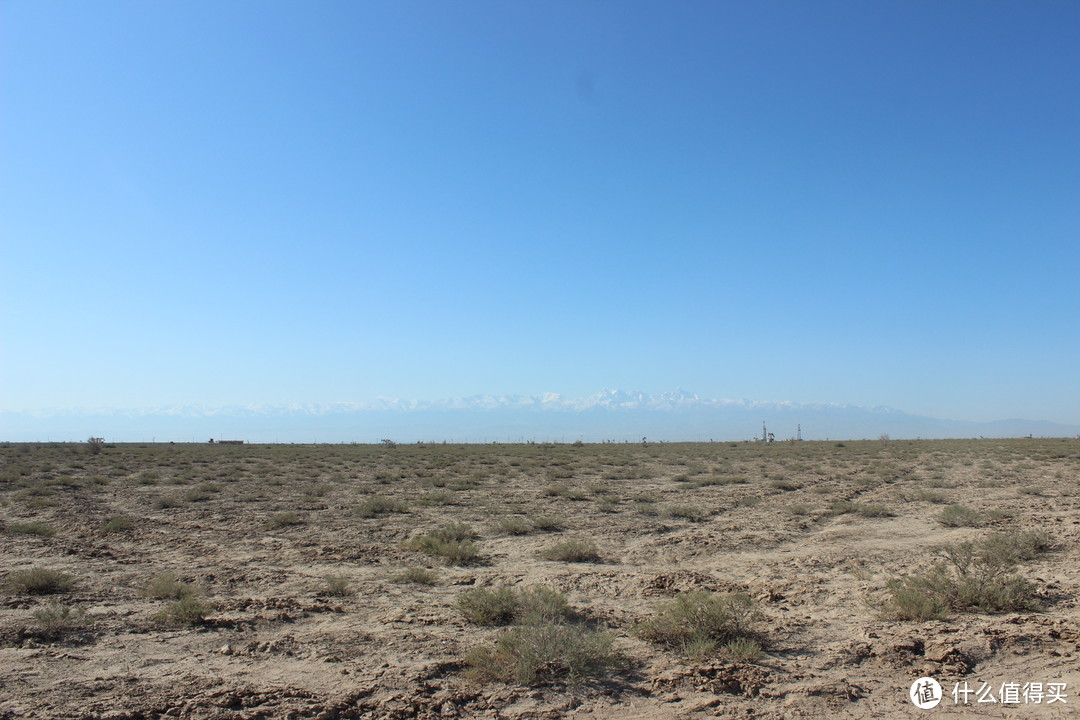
(506, 605)
(440, 497)
(844, 507)
(691, 620)
(799, 509)
(960, 516)
(545, 651)
(283, 519)
(572, 550)
(742, 650)
(32, 528)
(450, 542)
(874, 511)
(169, 586)
(148, 477)
(336, 586)
(925, 495)
(40, 581)
(783, 484)
(546, 523)
(418, 576)
(185, 611)
(647, 509)
(488, 607)
(377, 505)
(976, 576)
(201, 492)
(693, 513)
(167, 501)
(54, 619)
(514, 526)
(117, 524)
(95, 445)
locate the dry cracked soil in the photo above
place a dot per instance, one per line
(308, 600)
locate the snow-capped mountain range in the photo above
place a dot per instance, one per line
(607, 415)
(607, 399)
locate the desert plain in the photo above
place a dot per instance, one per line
(399, 580)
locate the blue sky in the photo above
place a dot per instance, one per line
(279, 202)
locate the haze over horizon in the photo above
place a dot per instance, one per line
(609, 415)
(273, 204)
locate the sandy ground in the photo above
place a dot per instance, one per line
(279, 644)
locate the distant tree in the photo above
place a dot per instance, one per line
(388, 443)
(95, 445)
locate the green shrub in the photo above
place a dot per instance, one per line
(418, 576)
(336, 586)
(377, 505)
(742, 650)
(573, 550)
(545, 651)
(55, 618)
(960, 516)
(283, 519)
(450, 542)
(32, 528)
(506, 605)
(514, 526)
(117, 524)
(185, 611)
(488, 607)
(690, 620)
(874, 511)
(546, 523)
(40, 581)
(844, 507)
(975, 576)
(169, 586)
(693, 513)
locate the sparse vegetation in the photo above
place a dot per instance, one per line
(572, 550)
(418, 576)
(377, 505)
(960, 516)
(452, 542)
(54, 619)
(969, 576)
(701, 622)
(693, 513)
(283, 520)
(506, 605)
(820, 516)
(169, 586)
(188, 610)
(32, 528)
(336, 586)
(547, 651)
(118, 525)
(40, 581)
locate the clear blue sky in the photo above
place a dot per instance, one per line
(276, 202)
